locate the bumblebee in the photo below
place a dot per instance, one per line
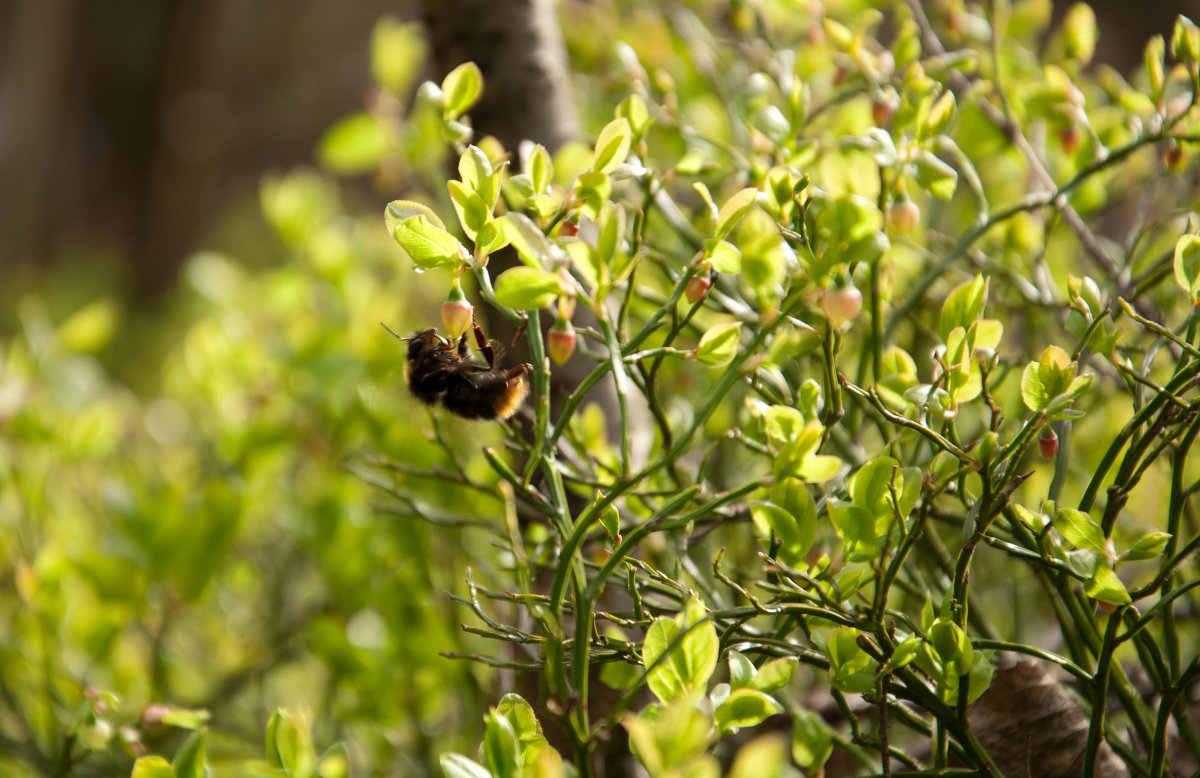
(439, 372)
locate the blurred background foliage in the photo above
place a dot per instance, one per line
(191, 350)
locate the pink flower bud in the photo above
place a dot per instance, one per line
(1048, 443)
(697, 287)
(903, 217)
(560, 342)
(842, 305)
(153, 714)
(457, 312)
(1070, 138)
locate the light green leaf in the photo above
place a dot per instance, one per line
(724, 256)
(935, 176)
(428, 245)
(459, 766)
(1105, 586)
(744, 708)
(462, 88)
(762, 757)
(498, 752)
(633, 108)
(719, 344)
(472, 211)
(782, 424)
(152, 767)
(397, 51)
(741, 669)
(529, 241)
(399, 210)
(1187, 265)
(964, 306)
(189, 759)
(734, 209)
(812, 740)
(775, 675)
(475, 170)
(1147, 547)
(90, 328)
(527, 288)
(1079, 529)
(334, 763)
(354, 145)
(612, 146)
(540, 168)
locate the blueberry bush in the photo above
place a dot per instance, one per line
(888, 313)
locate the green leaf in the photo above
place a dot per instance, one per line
(849, 665)
(940, 114)
(529, 241)
(1079, 529)
(1147, 547)
(462, 88)
(540, 168)
(935, 176)
(354, 145)
(152, 767)
(334, 763)
(498, 752)
(459, 766)
(664, 678)
(724, 256)
(525, 726)
(611, 234)
(1105, 586)
(855, 525)
(741, 669)
(397, 51)
(399, 210)
(964, 306)
(690, 662)
(491, 238)
(782, 424)
(905, 652)
(186, 718)
(289, 742)
(189, 759)
(775, 675)
(633, 108)
(1185, 40)
(719, 344)
(527, 288)
(744, 708)
(762, 757)
(90, 328)
(1187, 266)
(428, 245)
(812, 740)
(473, 212)
(795, 533)
(1079, 33)
(946, 639)
(1155, 68)
(612, 146)
(475, 170)
(733, 210)
(792, 495)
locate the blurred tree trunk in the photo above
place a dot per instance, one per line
(519, 47)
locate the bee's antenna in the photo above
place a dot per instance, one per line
(394, 333)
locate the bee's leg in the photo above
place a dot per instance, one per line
(462, 346)
(517, 372)
(485, 347)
